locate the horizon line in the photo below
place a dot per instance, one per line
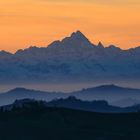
(31, 46)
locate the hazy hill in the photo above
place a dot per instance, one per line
(22, 93)
(111, 93)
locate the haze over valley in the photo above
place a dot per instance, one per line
(69, 70)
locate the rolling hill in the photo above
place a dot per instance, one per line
(38, 122)
(110, 93)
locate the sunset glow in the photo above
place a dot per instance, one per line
(39, 22)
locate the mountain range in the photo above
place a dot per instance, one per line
(73, 59)
(115, 95)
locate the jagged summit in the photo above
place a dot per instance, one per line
(100, 45)
(78, 35)
(75, 40)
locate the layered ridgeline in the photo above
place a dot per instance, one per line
(73, 59)
(115, 95)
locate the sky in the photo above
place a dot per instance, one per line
(25, 23)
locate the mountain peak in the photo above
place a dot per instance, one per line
(77, 39)
(100, 45)
(78, 34)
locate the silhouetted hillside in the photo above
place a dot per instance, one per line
(93, 106)
(74, 103)
(38, 122)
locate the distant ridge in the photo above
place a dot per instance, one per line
(115, 95)
(19, 89)
(113, 87)
(110, 87)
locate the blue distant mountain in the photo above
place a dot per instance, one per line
(115, 95)
(73, 59)
(22, 93)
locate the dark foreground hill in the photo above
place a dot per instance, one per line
(36, 122)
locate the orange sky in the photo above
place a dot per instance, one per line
(39, 22)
